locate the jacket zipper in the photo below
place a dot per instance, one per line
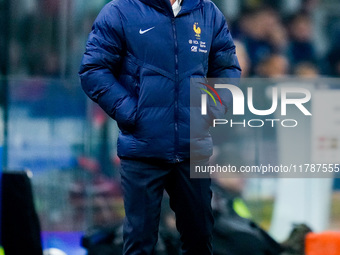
(177, 159)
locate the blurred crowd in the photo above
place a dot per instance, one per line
(270, 44)
(47, 37)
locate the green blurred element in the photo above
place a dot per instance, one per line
(2, 251)
(334, 222)
(241, 208)
(262, 210)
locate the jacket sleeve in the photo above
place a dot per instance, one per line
(100, 67)
(223, 62)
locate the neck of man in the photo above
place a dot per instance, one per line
(172, 1)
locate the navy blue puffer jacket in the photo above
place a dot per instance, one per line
(137, 66)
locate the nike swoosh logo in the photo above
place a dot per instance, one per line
(144, 31)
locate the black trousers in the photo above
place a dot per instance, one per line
(143, 184)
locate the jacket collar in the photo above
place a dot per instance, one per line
(165, 6)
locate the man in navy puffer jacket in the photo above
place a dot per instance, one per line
(138, 62)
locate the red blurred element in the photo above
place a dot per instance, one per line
(102, 199)
(100, 187)
(89, 164)
(116, 161)
(323, 243)
(99, 116)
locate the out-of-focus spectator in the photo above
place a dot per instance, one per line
(258, 3)
(306, 70)
(309, 5)
(274, 66)
(333, 61)
(51, 64)
(263, 34)
(234, 185)
(301, 48)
